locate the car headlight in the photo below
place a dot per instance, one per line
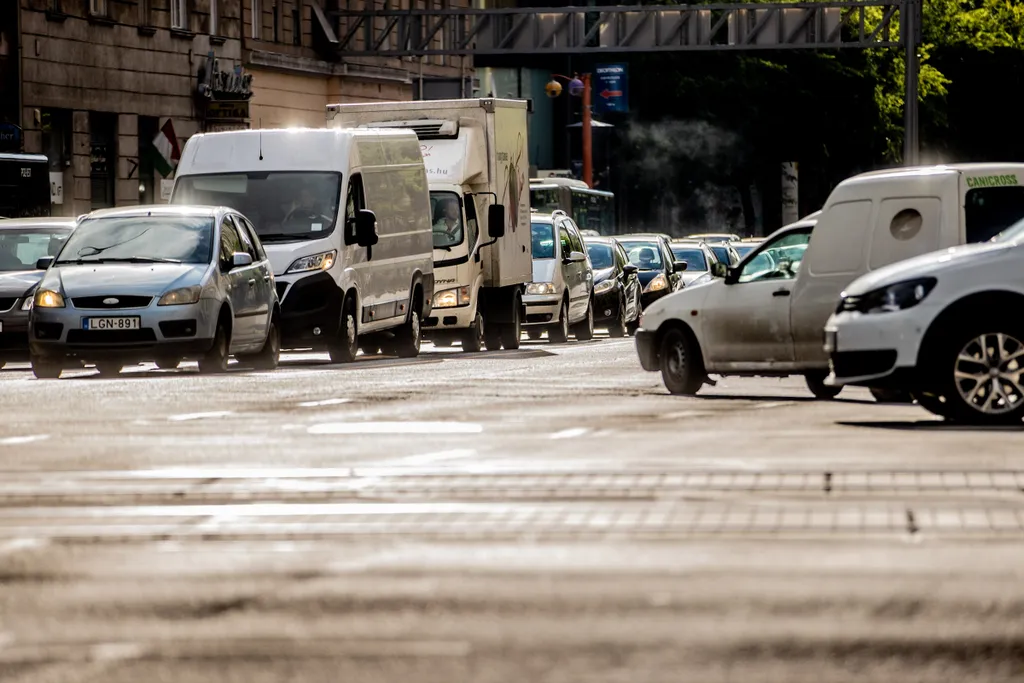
(305, 264)
(540, 288)
(450, 298)
(602, 287)
(179, 297)
(895, 297)
(659, 283)
(48, 298)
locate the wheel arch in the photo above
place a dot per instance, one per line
(677, 324)
(965, 310)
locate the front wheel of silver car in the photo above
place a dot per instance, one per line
(46, 369)
(584, 330)
(269, 356)
(682, 368)
(559, 332)
(984, 375)
(216, 359)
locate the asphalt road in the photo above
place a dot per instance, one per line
(550, 514)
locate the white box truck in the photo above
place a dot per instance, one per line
(475, 154)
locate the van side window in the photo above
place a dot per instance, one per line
(990, 210)
(355, 201)
(229, 244)
(563, 238)
(472, 227)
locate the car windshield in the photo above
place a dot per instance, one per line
(141, 239)
(694, 258)
(446, 215)
(722, 254)
(543, 240)
(601, 256)
(20, 248)
(283, 207)
(644, 255)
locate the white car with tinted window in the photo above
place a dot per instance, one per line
(945, 327)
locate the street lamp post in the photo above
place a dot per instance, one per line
(579, 86)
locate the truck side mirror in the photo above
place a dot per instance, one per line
(366, 228)
(496, 221)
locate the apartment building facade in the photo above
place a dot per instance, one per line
(110, 90)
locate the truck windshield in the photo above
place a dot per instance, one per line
(446, 215)
(283, 206)
(543, 240)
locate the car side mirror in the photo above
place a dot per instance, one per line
(576, 257)
(719, 269)
(630, 269)
(240, 259)
(732, 275)
(680, 266)
(496, 221)
(366, 228)
(45, 262)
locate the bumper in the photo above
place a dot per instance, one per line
(647, 350)
(455, 319)
(310, 310)
(14, 336)
(606, 306)
(165, 331)
(541, 309)
(873, 350)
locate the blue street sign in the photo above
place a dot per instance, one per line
(10, 137)
(611, 88)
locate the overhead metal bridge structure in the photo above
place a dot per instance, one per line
(828, 25)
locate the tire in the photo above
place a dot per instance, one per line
(559, 332)
(407, 339)
(45, 369)
(269, 356)
(109, 369)
(816, 384)
(512, 333)
(682, 368)
(534, 333)
(216, 359)
(934, 404)
(891, 396)
(168, 363)
(584, 331)
(492, 337)
(982, 381)
(473, 338)
(632, 327)
(618, 327)
(344, 346)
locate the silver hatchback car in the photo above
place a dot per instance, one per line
(159, 284)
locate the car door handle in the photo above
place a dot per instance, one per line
(781, 292)
(266, 278)
(252, 282)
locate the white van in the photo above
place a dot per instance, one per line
(350, 274)
(771, 322)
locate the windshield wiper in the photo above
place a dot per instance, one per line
(132, 259)
(282, 237)
(443, 247)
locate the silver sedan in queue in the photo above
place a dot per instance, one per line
(159, 284)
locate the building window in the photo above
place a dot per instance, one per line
(296, 26)
(213, 17)
(179, 15)
(145, 14)
(103, 134)
(257, 19)
(277, 22)
(98, 8)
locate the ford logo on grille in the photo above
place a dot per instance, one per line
(111, 301)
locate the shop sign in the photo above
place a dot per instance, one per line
(227, 111)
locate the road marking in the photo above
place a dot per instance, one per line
(774, 404)
(396, 428)
(570, 433)
(325, 402)
(439, 456)
(198, 416)
(17, 440)
(684, 413)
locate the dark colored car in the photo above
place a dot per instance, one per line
(660, 273)
(616, 287)
(23, 241)
(726, 254)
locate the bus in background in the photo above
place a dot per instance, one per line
(589, 209)
(24, 186)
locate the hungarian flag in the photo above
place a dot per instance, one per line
(165, 151)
